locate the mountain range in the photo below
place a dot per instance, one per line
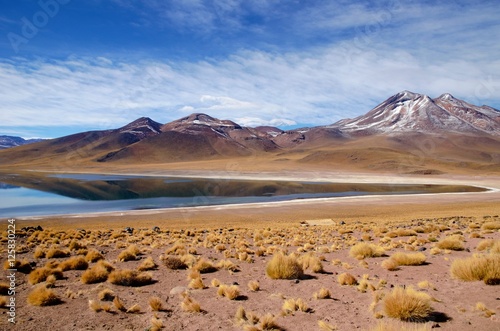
(408, 131)
(13, 141)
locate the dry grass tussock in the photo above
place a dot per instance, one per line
(147, 264)
(74, 263)
(323, 293)
(495, 225)
(40, 274)
(325, 326)
(282, 266)
(53, 253)
(190, 305)
(42, 296)
(156, 304)
(347, 279)
(98, 273)
(174, 262)
(126, 277)
(93, 255)
(204, 266)
(491, 245)
(483, 267)
(364, 250)
(454, 243)
(231, 292)
(407, 304)
(312, 262)
(403, 259)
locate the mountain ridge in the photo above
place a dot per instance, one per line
(14, 141)
(399, 128)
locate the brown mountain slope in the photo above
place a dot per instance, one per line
(407, 133)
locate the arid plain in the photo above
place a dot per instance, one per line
(207, 267)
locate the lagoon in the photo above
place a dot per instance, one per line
(40, 194)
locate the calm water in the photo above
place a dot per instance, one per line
(31, 195)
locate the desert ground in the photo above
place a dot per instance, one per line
(370, 263)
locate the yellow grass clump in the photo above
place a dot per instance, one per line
(484, 267)
(156, 304)
(405, 259)
(323, 293)
(454, 243)
(190, 305)
(284, 267)
(147, 264)
(363, 250)
(42, 296)
(231, 292)
(325, 326)
(347, 279)
(40, 275)
(156, 324)
(118, 303)
(56, 253)
(254, 285)
(74, 263)
(93, 255)
(312, 262)
(174, 262)
(292, 305)
(197, 284)
(204, 266)
(127, 277)
(98, 273)
(407, 304)
(495, 225)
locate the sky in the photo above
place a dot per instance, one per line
(68, 66)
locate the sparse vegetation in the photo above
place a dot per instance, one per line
(174, 262)
(347, 279)
(40, 275)
(126, 277)
(323, 293)
(98, 273)
(284, 267)
(484, 267)
(190, 305)
(42, 296)
(363, 250)
(297, 250)
(454, 243)
(407, 304)
(74, 263)
(156, 304)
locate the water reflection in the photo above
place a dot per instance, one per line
(77, 193)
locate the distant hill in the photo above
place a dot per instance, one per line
(12, 141)
(408, 132)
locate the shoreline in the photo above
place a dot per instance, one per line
(368, 208)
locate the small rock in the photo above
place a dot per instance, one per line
(178, 290)
(421, 249)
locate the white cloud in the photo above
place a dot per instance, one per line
(390, 49)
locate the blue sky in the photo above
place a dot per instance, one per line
(74, 65)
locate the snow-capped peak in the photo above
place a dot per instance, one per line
(413, 112)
